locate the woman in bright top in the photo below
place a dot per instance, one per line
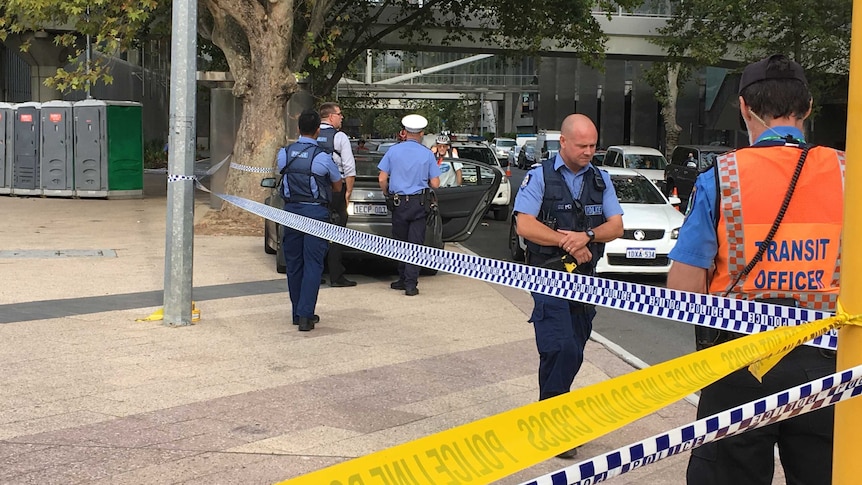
(450, 172)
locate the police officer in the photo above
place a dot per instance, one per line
(309, 178)
(733, 209)
(336, 143)
(407, 170)
(566, 206)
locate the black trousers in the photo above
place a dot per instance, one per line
(408, 224)
(338, 208)
(804, 442)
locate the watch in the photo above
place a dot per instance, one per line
(591, 235)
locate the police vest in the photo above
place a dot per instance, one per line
(559, 205)
(802, 261)
(297, 175)
(326, 140)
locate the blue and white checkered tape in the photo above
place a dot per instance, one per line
(725, 313)
(777, 407)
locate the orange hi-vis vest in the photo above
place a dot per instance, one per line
(803, 260)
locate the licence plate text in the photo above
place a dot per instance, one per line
(379, 210)
(640, 253)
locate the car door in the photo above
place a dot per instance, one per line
(463, 207)
(684, 175)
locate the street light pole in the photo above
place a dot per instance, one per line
(180, 217)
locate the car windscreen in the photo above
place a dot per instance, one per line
(553, 145)
(645, 162)
(366, 166)
(483, 155)
(636, 190)
(505, 143)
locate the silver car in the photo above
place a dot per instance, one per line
(461, 208)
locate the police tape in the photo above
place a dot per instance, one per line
(740, 316)
(494, 447)
(811, 396)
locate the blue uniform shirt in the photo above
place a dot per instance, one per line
(410, 166)
(532, 190)
(321, 165)
(698, 244)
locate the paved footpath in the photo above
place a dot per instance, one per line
(89, 395)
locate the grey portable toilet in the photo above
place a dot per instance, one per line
(7, 115)
(91, 148)
(56, 151)
(25, 152)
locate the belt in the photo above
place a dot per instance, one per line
(406, 197)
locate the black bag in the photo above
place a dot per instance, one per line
(433, 223)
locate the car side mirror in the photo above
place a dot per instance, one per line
(674, 200)
(268, 182)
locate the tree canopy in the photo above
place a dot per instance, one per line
(270, 44)
(732, 33)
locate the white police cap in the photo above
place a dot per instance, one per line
(414, 123)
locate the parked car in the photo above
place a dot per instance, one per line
(501, 206)
(650, 228)
(680, 174)
(461, 208)
(501, 147)
(648, 161)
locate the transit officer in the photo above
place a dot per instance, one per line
(309, 177)
(566, 206)
(407, 171)
(733, 244)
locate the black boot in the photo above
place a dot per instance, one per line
(306, 324)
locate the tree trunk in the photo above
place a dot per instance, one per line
(668, 109)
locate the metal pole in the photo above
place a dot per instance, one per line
(848, 414)
(181, 143)
(89, 59)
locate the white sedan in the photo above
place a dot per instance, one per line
(651, 225)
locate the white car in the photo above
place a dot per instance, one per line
(651, 225)
(648, 161)
(501, 146)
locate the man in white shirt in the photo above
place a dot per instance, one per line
(337, 143)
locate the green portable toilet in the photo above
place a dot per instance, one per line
(109, 149)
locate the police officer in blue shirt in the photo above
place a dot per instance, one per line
(309, 177)
(566, 208)
(407, 170)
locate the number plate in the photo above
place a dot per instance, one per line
(375, 209)
(640, 253)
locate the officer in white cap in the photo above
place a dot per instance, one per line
(407, 171)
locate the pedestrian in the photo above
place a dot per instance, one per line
(309, 178)
(450, 171)
(566, 206)
(407, 171)
(725, 248)
(360, 145)
(336, 143)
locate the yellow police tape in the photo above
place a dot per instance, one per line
(497, 446)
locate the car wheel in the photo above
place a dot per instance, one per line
(514, 244)
(501, 213)
(266, 247)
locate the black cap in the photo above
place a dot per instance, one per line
(768, 69)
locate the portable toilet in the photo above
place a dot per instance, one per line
(25, 152)
(56, 151)
(109, 149)
(7, 116)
